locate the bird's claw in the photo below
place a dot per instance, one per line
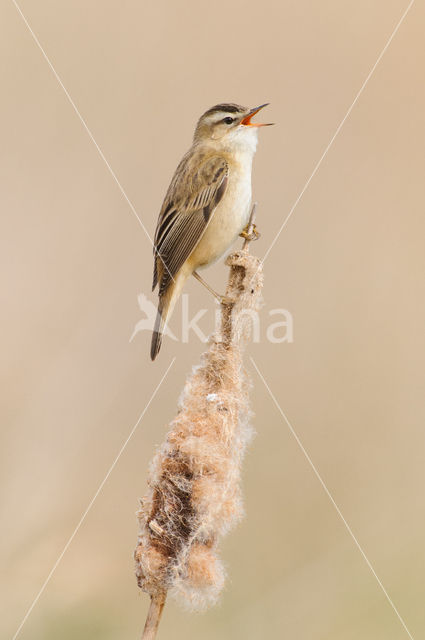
(226, 301)
(250, 233)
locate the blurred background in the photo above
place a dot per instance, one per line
(349, 267)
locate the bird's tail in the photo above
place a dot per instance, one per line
(161, 318)
(165, 307)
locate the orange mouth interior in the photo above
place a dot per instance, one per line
(247, 120)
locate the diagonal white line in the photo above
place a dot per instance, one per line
(341, 124)
(80, 117)
(328, 493)
(83, 517)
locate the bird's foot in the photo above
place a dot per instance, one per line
(250, 233)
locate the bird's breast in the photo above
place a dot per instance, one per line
(228, 219)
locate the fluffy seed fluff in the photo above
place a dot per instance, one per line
(194, 485)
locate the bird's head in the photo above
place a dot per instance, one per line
(229, 125)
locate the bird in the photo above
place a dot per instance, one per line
(206, 206)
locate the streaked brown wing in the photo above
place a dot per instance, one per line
(190, 201)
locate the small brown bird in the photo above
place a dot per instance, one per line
(207, 204)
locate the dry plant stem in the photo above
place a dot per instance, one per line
(251, 223)
(234, 285)
(194, 485)
(154, 616)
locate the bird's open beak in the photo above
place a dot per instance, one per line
(247, 120)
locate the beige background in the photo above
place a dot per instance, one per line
(349, 266)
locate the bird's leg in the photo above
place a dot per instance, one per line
(221, 299)
(250, 233)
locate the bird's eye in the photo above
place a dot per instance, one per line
(228, 120)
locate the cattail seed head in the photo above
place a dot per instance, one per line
(194, 494)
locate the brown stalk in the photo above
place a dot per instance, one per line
(154, 616)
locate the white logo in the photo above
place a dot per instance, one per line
(279, 331)
(147, 323)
